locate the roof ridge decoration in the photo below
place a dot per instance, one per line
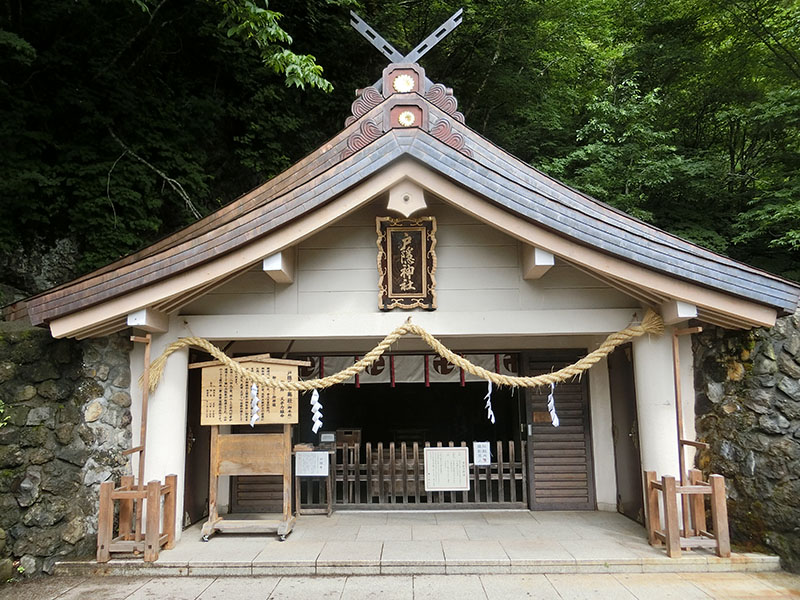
(405, 92)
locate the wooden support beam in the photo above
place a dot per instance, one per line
(149, 320)
(535, 262)
(280, 266)
(675, 311)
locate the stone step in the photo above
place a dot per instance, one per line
(696, 563)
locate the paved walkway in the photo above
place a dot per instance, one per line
(429, 543)
(627, 586)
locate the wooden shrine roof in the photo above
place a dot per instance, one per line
(372, 141)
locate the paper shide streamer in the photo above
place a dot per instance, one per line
(551, 405)
(488, 407)
(255, 409)
(316, 412)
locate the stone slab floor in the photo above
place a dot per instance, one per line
(621, 586)
(428, 543)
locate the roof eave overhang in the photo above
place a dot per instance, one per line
(171, 293)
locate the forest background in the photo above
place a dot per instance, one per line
(123, 120)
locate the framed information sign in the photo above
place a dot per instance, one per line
(406, 263)
(228, 398)
(447, 469)
(311, 464)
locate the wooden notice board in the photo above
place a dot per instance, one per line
(227, 399)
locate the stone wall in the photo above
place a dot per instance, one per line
(67, 411)
(748, 409)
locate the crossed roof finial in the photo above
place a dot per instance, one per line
(422, 48)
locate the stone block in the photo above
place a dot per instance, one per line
(7, 570)
(46, 513)
(10, 456)
(64, 433)
(122, 399)
(764, 365)
(74, 531)
(76, 453)
(40, 371)
(787, 365)
(792, 343)
(24, 393)
(54, 389)
(93, 411)
(28, 489)
(790, 387)
(41, 415)
(7, 371)
(121, 376)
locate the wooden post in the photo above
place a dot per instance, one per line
(126, 509)
(170, 505)
(685, 501)
(719, 515)
(105, 522)
(143, 429)
(671, 529)
(287, 474)
(153, 521)
(653, 513)
(698, 503)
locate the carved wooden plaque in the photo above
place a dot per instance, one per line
(227, 398)
(406, 263)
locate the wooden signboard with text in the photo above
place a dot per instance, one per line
(406, 263)
(227, 397)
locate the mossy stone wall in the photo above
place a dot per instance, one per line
(748, 410)
(67, 420)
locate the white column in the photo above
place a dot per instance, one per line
(605, 480)
(165, 453)
(655, 403)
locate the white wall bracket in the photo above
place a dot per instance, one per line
(280, 266)
(675, 311)
(535, 262)
(150, 320)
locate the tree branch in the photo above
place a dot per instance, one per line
(173, 183)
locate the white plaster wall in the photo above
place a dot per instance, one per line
(479, 269)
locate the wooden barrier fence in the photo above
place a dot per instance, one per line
(381, 475)
(695, 532)
(159, 530)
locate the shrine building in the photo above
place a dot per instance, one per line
(408, 212)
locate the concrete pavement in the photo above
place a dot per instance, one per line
(620, 586)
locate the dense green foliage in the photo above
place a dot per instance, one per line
(119, 116)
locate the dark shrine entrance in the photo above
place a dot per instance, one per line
(382, 432)
(412, 412)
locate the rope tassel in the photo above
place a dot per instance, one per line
(651, 324)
